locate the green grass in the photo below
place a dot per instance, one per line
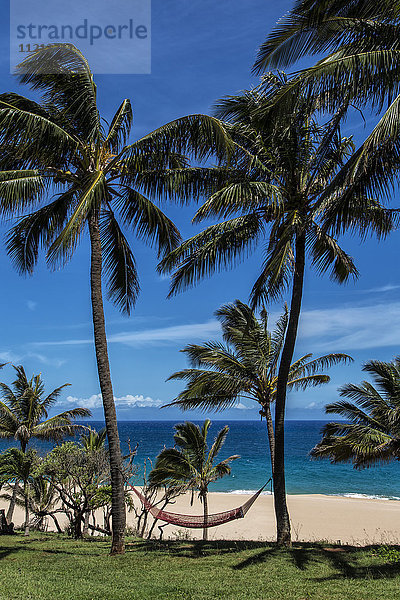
(52, 567)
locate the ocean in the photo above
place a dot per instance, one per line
(252, 469)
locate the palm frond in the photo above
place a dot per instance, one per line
(120, 127)
(148, 221)
(119, 263)
(217, 247)
(63, 75)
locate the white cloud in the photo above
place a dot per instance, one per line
(128, 401)
(53, 362)
(242, 406)
(352, 327)
(17, 359)
(159, 336)
(384, 288)
(311, 405)
(31, 304)
(173, 333)
(10, 357)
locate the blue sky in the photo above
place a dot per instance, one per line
(201, 51)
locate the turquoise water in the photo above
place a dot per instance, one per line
(251, 471)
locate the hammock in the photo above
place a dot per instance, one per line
(197, 521)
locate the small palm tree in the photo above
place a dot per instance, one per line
(24, 415)
(246, 366)
(371, 433)
(24, 411)
(15, 466)
(94, 440)
(190, 464)
(42, 500)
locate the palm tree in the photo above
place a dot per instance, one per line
(24, 415)
(16, 465)
(93, 440)
(190, 464)
(371, 433)
(42, 502)
(84, 177)
(361, 65)
(277, 194)
(246, 366)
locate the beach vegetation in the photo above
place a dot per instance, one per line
(43, 502)
(77, 475)
(190, 464)
(246, 366)
(369, 434)
(285, 195)
(60, 155)
(24, 414)
(15, 466)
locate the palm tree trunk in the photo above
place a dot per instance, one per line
(26, 501)
(103, 367)
(271, 436)
(281, 510)
(11, 507)
(205, 509)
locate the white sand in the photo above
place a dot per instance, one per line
(314, 517)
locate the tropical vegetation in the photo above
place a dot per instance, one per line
(282, 195)
(286, 179)
(15, 466)
(370, 432)
(87, 180)
(43, 502)
(190, 464)
(246, 366)
(24, 414)
(360, 67)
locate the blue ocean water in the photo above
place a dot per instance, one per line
(252, 470)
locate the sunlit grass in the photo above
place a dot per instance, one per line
(51, 567)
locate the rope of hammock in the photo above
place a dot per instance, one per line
(197, 521)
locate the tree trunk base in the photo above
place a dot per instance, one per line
(284, 540)
(117, 548)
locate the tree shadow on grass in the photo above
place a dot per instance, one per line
(194, 548)
(300, 556)
(346, 564)
(15, 544)
(346, 561)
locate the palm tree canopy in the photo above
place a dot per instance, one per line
(190, 464)
(16, 465)
(58, 154)
(370, 433)
(24, 411)
(94, 440)
(361, 66)
(280, 187)
(246, 365)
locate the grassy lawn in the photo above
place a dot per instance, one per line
(51, 567)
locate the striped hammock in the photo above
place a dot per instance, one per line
(197, 521)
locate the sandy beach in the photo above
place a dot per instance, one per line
(314, 517)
